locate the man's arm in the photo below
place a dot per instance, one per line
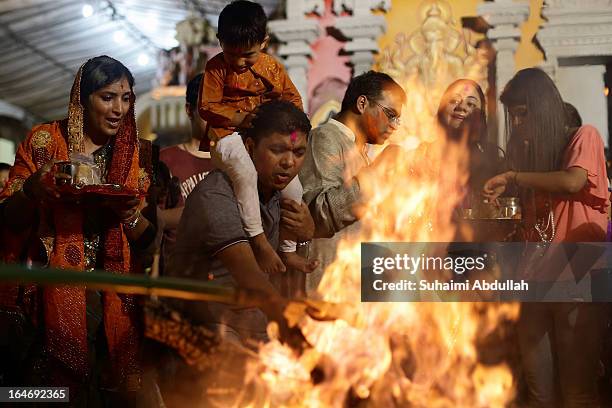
(211, 217)
(330, 199)
(333, 208)
(240, 261)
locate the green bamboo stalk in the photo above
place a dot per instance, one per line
(188, 289)
(178, 288)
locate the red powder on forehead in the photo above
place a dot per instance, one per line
(293, 136)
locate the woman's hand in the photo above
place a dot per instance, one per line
(296, 220)
(126, 209)
(39, 186)
(495, 186)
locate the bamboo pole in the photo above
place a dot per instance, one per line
(180, 288)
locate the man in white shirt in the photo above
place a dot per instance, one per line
(336, 161)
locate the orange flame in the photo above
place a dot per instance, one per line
(394, 354)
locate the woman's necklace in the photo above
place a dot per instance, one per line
(546, 232)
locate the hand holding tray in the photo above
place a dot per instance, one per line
(97, 191)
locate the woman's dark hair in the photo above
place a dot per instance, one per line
(277, 116)
(370, 84)
(242, 24)
(477, 123)
(541, 148)
(101, 71)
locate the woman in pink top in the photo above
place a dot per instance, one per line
(560, 173)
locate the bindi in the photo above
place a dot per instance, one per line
(293, 136)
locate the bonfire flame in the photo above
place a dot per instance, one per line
(392, 354)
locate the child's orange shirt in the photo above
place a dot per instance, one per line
(224, 92)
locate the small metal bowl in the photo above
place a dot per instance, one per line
(504, 209)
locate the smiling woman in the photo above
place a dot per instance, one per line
(462, 110)
(106, 96)
(462, 116)
(38, 219)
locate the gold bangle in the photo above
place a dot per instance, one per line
(130, 225)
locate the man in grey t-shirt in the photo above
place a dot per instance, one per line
(211, 242)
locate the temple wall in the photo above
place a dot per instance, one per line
(330, 67)
(527, 54)
(402, 18)
(586, 94)
(580, 82)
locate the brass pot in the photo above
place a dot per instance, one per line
(505, 208)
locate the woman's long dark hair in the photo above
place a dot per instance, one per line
(101, 71)
(541, 148)
(477, 123)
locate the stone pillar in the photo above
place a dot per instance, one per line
(297, 33)
(505, 17)
(362, 28)
(577, 41)
(576, 29)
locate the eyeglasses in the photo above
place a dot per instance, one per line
(394, 119)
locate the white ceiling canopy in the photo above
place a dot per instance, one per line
(43, 43)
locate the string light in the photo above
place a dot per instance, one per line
(119, 36)
(143, 60)
(87, 10)
(128, 28)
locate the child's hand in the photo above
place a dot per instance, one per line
(247, 121)
(241, 119)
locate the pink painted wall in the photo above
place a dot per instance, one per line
(326, 63)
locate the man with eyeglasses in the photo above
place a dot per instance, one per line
(337, 160)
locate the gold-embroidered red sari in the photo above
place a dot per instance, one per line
(63, 309)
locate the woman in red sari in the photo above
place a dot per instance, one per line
(79, 327)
